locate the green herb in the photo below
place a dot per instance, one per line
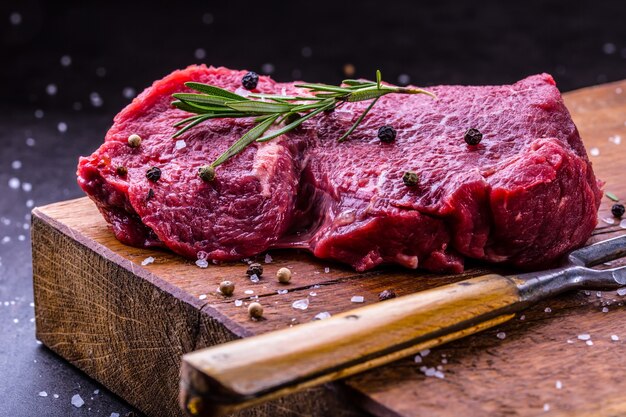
(268, 109)
(611, 196)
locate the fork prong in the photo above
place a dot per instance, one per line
(597, 253)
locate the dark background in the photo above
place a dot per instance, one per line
(96, 57)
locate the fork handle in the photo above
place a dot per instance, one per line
(236, 375)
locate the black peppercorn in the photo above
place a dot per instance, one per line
(250, 80)
(292, 118)
(206, 173)
(153, 174)
(618, 210)
(121, 171)
(150, 194)
(386, 134)
(473, 136)
(386, 295)
(255, 269)
(410, 179)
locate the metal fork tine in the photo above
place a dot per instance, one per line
(597, 253)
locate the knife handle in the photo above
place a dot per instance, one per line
(239, 374)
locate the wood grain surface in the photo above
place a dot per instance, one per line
(127, 325)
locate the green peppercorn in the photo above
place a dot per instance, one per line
(227, 288)
(410, 179)
(121, 171)
(250, 80)
(618, 210)
(255, 269)
(473, 136)
(283, 275)
(255, 310)
(206, 173)
(134, 141)
(153, 174)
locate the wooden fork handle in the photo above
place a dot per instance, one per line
(236, 375)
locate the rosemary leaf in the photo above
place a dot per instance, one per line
(260, 106)
(358, 83)
(200, 98)
(611, 196)
(192, 124)
(249, 137)
(358, 121)
(324, 87)
(214, 91)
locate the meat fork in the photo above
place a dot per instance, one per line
(239, 374)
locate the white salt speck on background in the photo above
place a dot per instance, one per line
(207, 18)
(14, 183)
(618, 90)
(95, 99)
(248, 292)
(548, 310)
(417, 359)
(430, 372)
(30, 142)
(202, 297)
(522, 317)
(39, 114)
(43, 394)
(302, 304)
(129, 92)
(313, 294)
(30, 203)
(622, 224)
(614, 337)
(66, 60)
(558, 385)
(32, 304)
(267, 68)
(268, 258)
(15, 18)
(254, 278)
(202, 263)
(424, 353)
(55, 395)
(594, 151)
(609, 220)
(21, 238)
(322, 316)
(51, 89)
(357, 299)
(609, 48)
(180, 144)
(605, 310)
(599, 294)
(238, 303)
(439, 375)
(77, 401)
(404, 79)
(77, 105)
(546, 407)
(589, 343)
(101, 72)
(282, 291)
(326, 270)
(621, 291)
(147, 261)
(96, 392)
(26, 226)
(27, 186)
(200, 53)
(307, 52)
(16, 321)
(16, 164)
(501, 335)
(584, 336)
(115, 415)
(616, 139)
(62, 127)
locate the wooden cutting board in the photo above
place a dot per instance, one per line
(127, 324)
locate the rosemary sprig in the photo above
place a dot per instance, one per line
(212, 102)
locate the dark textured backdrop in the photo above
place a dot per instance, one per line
(66, 68)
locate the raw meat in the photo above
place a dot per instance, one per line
(524, 196)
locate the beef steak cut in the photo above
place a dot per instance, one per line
(523, 196)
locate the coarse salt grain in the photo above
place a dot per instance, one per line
(584, 336)
(77, 401)
(621, 291)
(605, 310)
(202, 297)
(238, 303)
(282, 291)
(254, 278)
(62, 127)
(424, 353)
(313, 294)
(302, 304)
(180, 144)
(115, 415)
(501, 335)
(202, 263)
(622, 224)
(546, 407)
(439, 375)
(14, 183)
(589, 343)
(268, 258)
(609, 220)
(548, 310)
(417, 359)
(147, 261)
(96, 391)
(322, 316)
(248, 292)
(594, 151)
(55, 395)
(357, 299)
(522, 317)
(614, 337)
(616, 139)
(558, 385)
(43, 394)
(327, 270)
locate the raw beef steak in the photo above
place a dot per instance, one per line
(524, 196)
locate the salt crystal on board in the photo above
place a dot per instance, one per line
(605, 310)
(594, 151)
(584, 336)
(238, 303)
(616, 139)
(589, 343)
(439, 374)
(327, 270)
(621, 291)
(614, 337)
(430, 372)
(55, 395)
(501, 335)
(313, 294)
(417, 359)
(147, 261)
(43, 394)
(548, 310)
(558, 385)
(254, 278)
(622, 224)
(248, 292)
(424, 353)
(202, 297)
(522, 317)
(357, 299)
(268, 258)
(546, 407)
(322, 316)
(282, 291)
(202, 263)
(180, 144)
(609, 220)
(77, 401)
(302, 304)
